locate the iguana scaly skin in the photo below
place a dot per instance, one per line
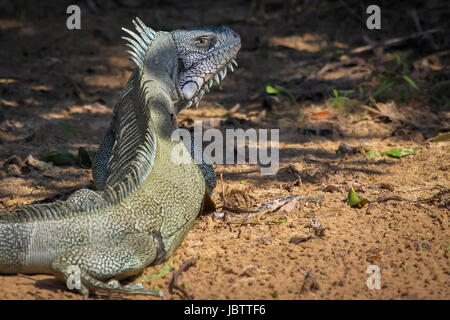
(146, 202)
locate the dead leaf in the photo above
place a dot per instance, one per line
(310, 283)
(331, 188)
(416, 102)
(297, 240)
(240, 198)
(361, 149)
(387, 186)
(412, 113)
(373, 254)
(235, 108)
(324, 115)
(345, 148)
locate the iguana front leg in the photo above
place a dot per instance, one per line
(204, 165)
(101, 266)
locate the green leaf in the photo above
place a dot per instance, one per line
(286, 91)
(59, 158)
(372, 153)
(346, 92)
(272, 90)
(398, 59)
(83, 159)
(163, 272)
(411, 82)
(283, 170)
(42, 165)
(353, 200)
(278, 90)
(279, 221)
(384, 85)
(361, 92)
(399, 152)
(220, 106)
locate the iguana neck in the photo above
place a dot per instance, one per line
(159, 76)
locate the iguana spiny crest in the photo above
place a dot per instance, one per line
(144, 205)
(204, 55)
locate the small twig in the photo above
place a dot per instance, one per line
(174, 283)
(26, 277)
(415, 18)
(334, 65)
(394, 41)
(252, 212)
(436, 197)
(437, 186)
(353, 12)
(92, 6)
(240, 223)
(394, 198)
(433, 198)
(238, 209)
(267, 205)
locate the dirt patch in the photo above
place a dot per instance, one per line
(58, 87)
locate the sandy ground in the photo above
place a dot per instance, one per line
(57, 90)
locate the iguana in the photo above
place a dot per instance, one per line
(146, 202)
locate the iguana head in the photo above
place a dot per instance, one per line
(203, 57)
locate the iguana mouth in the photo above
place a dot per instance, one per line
(195, 87)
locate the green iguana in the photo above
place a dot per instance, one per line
(146, 202)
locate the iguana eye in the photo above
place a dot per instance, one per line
(203, 41)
